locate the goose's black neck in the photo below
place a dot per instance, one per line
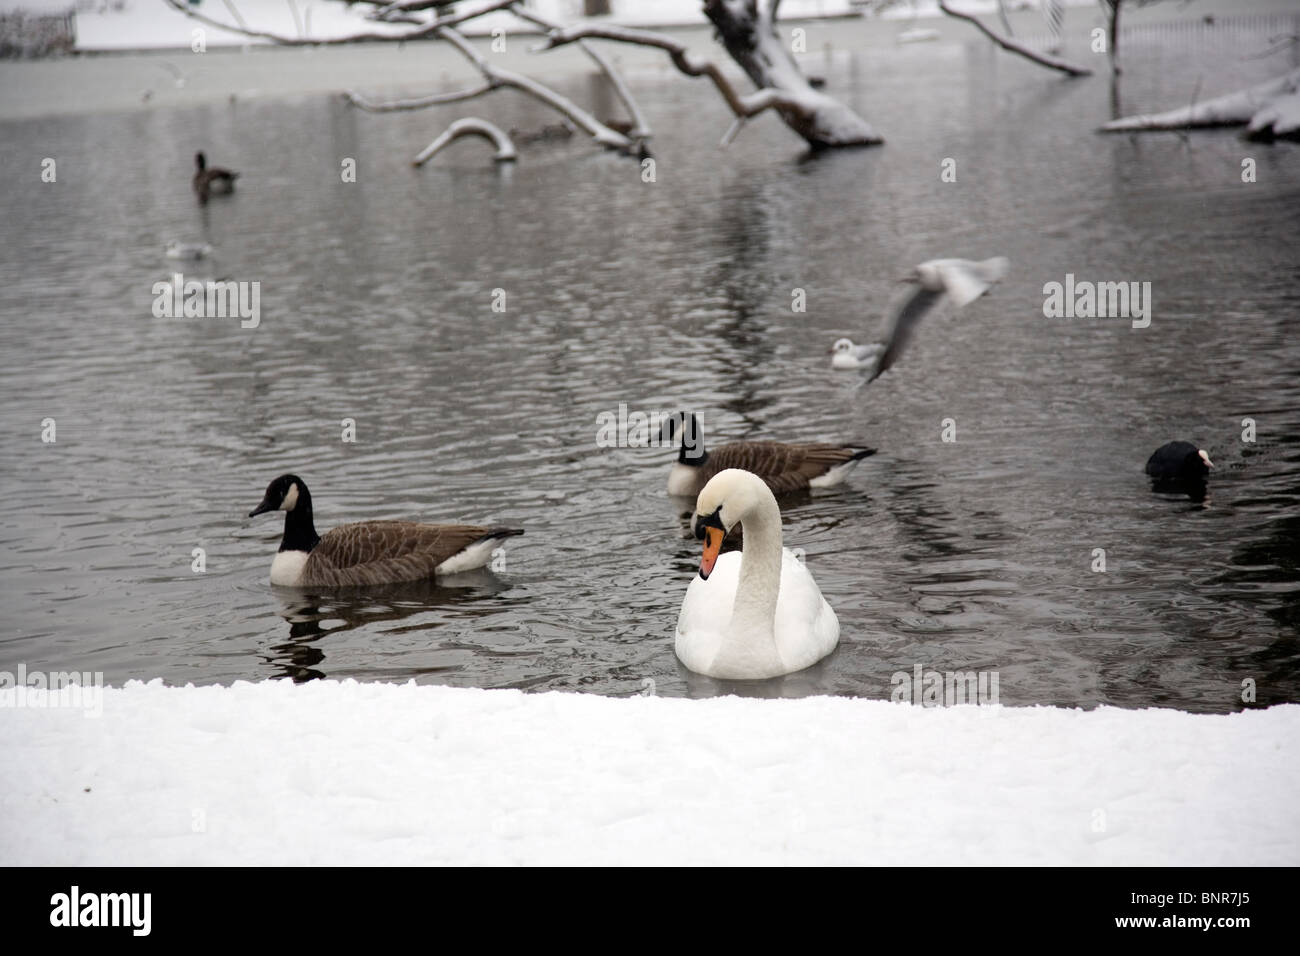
(299, 531)
(692, 450)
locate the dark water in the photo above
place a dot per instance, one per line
(376, 305)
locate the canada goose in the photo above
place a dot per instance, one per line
(757, 613)
(786, 468)
(368, 552)
(187, 250)
(961, 280)
(215, 181)
(1179, 466)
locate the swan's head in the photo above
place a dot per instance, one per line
(842, 347)
(283, 494)
(723, 503)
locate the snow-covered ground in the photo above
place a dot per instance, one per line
(350, 773)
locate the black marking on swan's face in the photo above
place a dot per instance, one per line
(688, 426)
(281, 495)
(700, 522)
(200, 161)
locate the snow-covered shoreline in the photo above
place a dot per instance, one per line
(358, 773)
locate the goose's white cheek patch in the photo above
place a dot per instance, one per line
(291, 499)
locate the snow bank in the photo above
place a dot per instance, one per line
(349, 773)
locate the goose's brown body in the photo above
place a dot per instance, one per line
(368, 553)
(389, 552)
(785, 468)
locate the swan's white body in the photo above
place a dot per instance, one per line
(759, 614)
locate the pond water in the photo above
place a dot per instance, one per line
(376, 304)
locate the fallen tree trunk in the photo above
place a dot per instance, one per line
(747, 28)
(1271, 109)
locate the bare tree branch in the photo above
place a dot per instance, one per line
(419, 103)
(640, 128)
(470, 126)
(1011, 46)
(742, 105)
(498, 77)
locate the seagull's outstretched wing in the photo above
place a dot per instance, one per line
(966, 281)
(904, 325)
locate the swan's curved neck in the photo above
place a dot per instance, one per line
(754, 613)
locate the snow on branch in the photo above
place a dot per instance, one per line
(1270, 109)
(470, 126)
(497, 77)
(640, 128)
(742, 105)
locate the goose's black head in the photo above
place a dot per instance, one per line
(687, 426)
(200, 161)
(286, 493)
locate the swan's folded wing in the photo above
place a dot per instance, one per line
(806, 626)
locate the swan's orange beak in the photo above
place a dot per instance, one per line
(712, 545)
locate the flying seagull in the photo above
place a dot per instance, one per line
(961, 280)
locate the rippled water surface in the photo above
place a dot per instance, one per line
(376, 305)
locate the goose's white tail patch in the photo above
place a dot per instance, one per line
(286, 568)
(833, 477)
(467, 559)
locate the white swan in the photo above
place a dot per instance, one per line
(758, 613)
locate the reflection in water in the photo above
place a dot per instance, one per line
(314, 616)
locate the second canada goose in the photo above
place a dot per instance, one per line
(961, 280)
(368, 552)
(212, 182)
(785, 467)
